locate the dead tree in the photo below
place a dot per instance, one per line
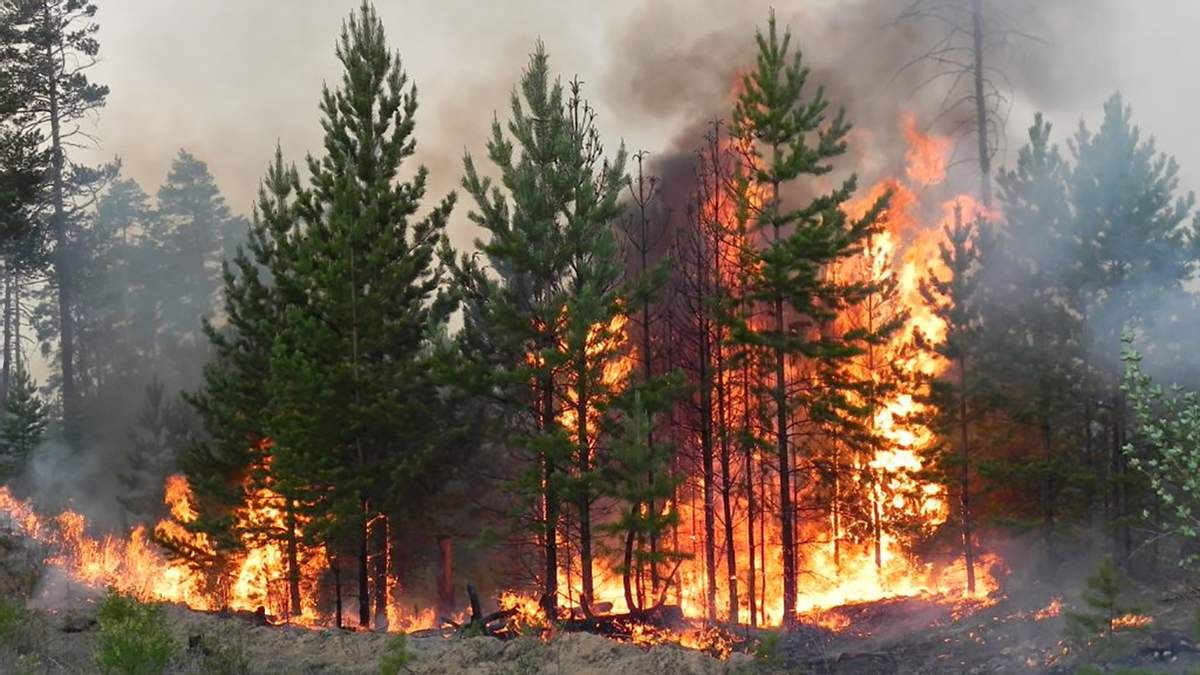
(971, 36)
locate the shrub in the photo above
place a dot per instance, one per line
(133, 637)
(13, 620)
(396, 657)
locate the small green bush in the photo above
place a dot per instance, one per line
(13, 620)
(396, 657)
(133, 637)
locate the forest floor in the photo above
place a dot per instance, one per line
(898, 636)
(1021, 633)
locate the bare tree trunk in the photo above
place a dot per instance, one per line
(381, 572)
(780, 394)
(706, 449)
(445, 579)
(748, 468)
(727, 486)
(293, 563)
(336, 565)
(981, 114)
(364, 594)
(965, 479)
(8, 334)
(550, 508)
(62, 263)
(583, 465)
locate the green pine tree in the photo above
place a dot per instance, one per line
(24, 426)
(1105, 604)
(48, 47)
(231, 461)
(549, 302)
(637, 476)
(955, 300)
(1132, 245)
(351, 377)
(788, 134)
(193, 231)
(162, 430)
(1032, 343)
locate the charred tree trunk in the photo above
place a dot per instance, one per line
(965, 477)
(783, 453)
(382, 561)
(583, 465)
(748, 468)
(550, 508)
(364, 594)
(336, 566)
(706, 451)
(727, 486)
(293, 562)
(445, 579)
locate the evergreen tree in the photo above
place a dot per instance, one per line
(350, 370)
(549, 299)
(955, 300)
(787, 135)
(1031, 342)
(637, 476)
(161, 431)
(1103, 598)
(234, 402)
(1131, 247)
(193, 229)
(25, 420)
(48, 47)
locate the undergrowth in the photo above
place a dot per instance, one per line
(133, 637)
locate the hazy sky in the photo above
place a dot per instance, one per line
(226, 78)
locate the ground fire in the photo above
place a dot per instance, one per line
(718, 342)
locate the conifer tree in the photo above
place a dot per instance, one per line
(955, 300)
(229, 462)
(1032, 341)
(552, 302)
(49, 45)
(637, 476)
(788, 135)
(1132, 245)
(350, 372)
(24, 426)
(193, 229)
(161, 432)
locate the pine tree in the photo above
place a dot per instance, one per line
(161, 431)
(25, 420)
(554, 303)
(49, 46)
(193, 230)
(1032, 341)
(788, 135)
(350, 371)
(637, 476)
(955, 300)
(1131, 246)
(1103, 597)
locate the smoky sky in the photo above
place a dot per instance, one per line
(226, 79)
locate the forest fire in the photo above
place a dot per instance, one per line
(877, 501)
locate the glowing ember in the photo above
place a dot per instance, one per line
(1049, 611)
(1131, 622)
